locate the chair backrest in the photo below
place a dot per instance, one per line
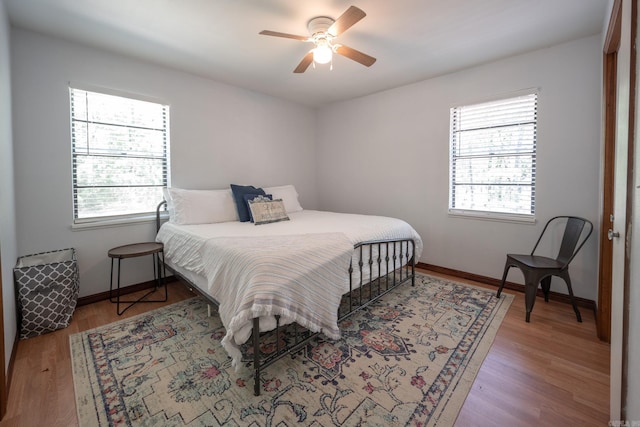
(573, 238)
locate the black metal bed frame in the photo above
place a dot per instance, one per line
(398, 265)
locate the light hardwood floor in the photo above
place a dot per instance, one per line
(550, 372)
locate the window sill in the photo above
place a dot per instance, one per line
(492, 216)
(117, 222)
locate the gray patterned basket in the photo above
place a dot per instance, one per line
(46, 291)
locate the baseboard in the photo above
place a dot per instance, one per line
(90, 299)
(553, 296)
(9, 374)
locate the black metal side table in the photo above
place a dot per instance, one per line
(132, 251)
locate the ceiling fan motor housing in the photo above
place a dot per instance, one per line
(320, 25)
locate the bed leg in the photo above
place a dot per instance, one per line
(413, 263)
(413, 271)
(413, 275)
(208, 310)
(256, 356)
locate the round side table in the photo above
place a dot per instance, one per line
(135, 250)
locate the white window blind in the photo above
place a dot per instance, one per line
(120, 150)
(493, 157)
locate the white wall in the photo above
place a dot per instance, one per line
(219, 135)
(222, 134)
(8, 243)
(392, 149)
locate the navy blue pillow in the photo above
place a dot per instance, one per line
(238, 195)
(248, 197)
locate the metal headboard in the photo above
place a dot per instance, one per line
(160, 205)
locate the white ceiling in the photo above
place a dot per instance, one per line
(412, 39)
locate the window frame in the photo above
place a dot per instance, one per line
(491, 214)
(121, 219)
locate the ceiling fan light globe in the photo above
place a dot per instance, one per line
(322, 54)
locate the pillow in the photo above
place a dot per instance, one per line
(289, 196)
(259, 197)
(238, 195)
(268, 211)
(167, 197)
(200, 206)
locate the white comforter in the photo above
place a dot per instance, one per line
(296, 269)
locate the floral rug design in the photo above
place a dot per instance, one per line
(408, 359)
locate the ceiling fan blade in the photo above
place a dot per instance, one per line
(346, 20)
(355, 55)
(285, 35)
(304, 64)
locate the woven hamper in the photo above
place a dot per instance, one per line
(46, 291)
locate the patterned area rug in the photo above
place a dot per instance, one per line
(409, 359)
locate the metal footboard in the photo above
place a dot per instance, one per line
(389, 262)
(376, 268)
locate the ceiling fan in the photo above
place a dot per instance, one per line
(323, 30)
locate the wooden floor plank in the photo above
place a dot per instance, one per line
(552, 371)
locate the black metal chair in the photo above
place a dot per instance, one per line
(539, 269)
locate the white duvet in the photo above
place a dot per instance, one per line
(296, 269)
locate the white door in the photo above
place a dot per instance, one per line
(633, 247)
(619, 211)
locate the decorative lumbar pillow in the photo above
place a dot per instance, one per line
(289, 196)
(265, 211)
(238, 194)
(259, 197)
(200, 206)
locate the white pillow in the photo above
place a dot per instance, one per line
(200, 206)
(167, 197)
(289, 196)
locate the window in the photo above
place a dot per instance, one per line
(120, 151)
(493, 158)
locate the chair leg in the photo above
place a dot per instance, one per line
(567, 280)
(504, 278)
(545, 284)
(530, 291)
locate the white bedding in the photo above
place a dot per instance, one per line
(303, 262)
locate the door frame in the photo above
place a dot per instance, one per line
(610, 70)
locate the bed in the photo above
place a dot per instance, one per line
(296, 276)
